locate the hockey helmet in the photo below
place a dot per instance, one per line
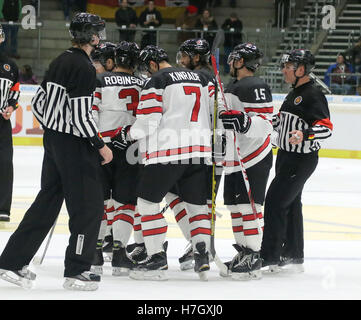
(299, 57)
(84, 25)
(103, 52)
(251, 55)
(127, 54)
(151, 53)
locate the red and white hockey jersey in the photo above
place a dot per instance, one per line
(173, 116)
(253, 96)
(116, 100)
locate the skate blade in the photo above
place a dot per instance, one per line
(203, 275)
(77, 285)
(152, 275)
(19, 281)
(97, 269)
(108, 257)
(293, 268)
(187, 265)
(120, 271)
(245, 276)
(272, 269)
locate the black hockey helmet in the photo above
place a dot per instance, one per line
(84, 25)
(103, 52)
(299, 57)
(127, 54)
(191, 47)
(151, 53)
(251, 55)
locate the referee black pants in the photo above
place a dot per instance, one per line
(70, 171)
(6, 166)
(283, 220)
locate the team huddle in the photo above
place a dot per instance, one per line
(173, 133)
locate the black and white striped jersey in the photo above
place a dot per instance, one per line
(305, 109)
(64, 100)
(9, 83)
(173, 116)
(116, 99)
(252, 96)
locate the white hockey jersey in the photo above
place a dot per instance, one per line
(253, 96)
(174, 116)
(116, 100)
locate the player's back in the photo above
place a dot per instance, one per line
(116, 100)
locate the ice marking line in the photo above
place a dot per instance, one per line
(332, 223)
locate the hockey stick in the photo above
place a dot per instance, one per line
(243, 169)
(221, 266)
(39, 260)
(320, 82)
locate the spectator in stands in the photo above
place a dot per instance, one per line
(340, 84)
(355, 55)
(67, 8)
(233, 36)
(10, 10)
(206, 22)
(126, 16)
(187, 21)
(150, 18)
(26, 75)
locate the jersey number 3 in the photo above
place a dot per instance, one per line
(134, 95)
(188, 90)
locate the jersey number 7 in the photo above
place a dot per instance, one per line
(188, 90)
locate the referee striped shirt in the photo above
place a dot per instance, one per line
(64, 100)
(9, 83)
(305, 109)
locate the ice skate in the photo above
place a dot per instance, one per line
(139, 253)
(121, 263)
(98, 260)
(86, 281)
(153, 268)
(23, 278)
(186, 261)
(248, 267)
(235, 260)
(201, 259)
(291, 265)
(270, 267)
(108, 248)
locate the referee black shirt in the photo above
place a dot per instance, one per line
(63, 102)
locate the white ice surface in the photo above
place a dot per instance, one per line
(332, 268)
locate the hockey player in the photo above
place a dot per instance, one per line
(173, 126)
(115, 104)
(103, 60)
(302, 123)
(194, 54)
(103, 57)
(70, 170)
(250, 101)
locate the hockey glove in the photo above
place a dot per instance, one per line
(219, 148)
(120, 138)
(235, 120)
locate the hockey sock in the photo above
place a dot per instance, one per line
(245, 225)
(137, 227)
(123, 222)
(199, 224)
(110, 215)
(154, 226)
(180, 213)
(104, 222)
